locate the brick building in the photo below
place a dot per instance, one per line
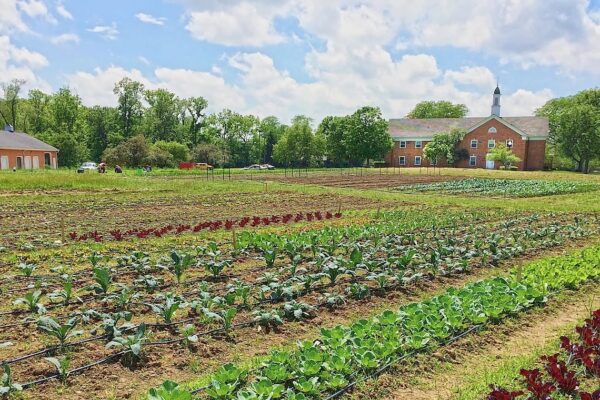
(21, 151)
(527, 135)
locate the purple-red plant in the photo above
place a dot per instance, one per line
(503, 394)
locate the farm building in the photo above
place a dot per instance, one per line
(21, 151)
(526, 135)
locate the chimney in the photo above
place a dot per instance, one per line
(9, 128)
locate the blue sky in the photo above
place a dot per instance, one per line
(313, 57)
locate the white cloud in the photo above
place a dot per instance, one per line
(97, 87)
(33, 8)
(149, 19)
(242, 25)
(10, 17)
(63, 12)
(144, 60)
(21, 63)
(65, 38)
(479, 77)
(106, 31)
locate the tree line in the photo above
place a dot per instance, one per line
(157, 127)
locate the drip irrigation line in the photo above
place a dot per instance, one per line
(383, 368)
(73, 371)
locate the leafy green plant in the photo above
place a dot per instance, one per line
(102, 281)
(7, 386)
(62, 366)
(294, 310)
(190, 337)
(267, 319)
(32, 301)
(169, 391)
(167, 309)
(216, 267)
(26, 269)
(224, 316)
(132, 345)
(61, 332)
(65, 294)
(180, 264)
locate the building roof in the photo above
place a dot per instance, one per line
(22, 141)
(534, 127)
(497, 90)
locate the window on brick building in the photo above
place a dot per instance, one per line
(417, 160)
(402, 160)
(474, 144)
(403, 144)
(491, 144)
(492, 130)
(472, 161)
(418, 144)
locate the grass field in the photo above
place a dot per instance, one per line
(112, 284)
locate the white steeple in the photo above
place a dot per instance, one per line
(496, 102)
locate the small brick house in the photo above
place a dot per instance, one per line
(21, 151)
(527, 135)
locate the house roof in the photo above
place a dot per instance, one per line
(22, 141)
(533, 127)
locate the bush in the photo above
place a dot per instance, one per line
(160, 158)
(178, 151)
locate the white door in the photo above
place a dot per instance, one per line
(27, 162)
(4, 162)
(36, 162)
(54, 162)
(490, 164)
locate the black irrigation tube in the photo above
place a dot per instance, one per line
(51, 349)
(73, 371)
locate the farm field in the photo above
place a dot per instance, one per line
(323, 286)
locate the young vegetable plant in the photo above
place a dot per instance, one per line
(224, 316)
(168, 309)
(32, 301)
(169, 391)
(226, 381)
(132, 345)
(215, 267)
(62, 367)
(267, 319)
(65, 294)
(102, 281)
(7, 386)
(26, 269)
(181, 262)
(62, 332)
(189, 334)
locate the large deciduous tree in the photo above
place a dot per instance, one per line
(575, 126)
(438, 109)
(101, 123)
(299, 146)
(9, 104)
(369, 137)
(336, 131)
(161, 116)
(130, 94)
(445, 146)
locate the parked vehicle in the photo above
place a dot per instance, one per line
(191, 165)
(259, 166)
(88, 166)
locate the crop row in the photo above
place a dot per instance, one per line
(376, 262)
(386, 264)
(344, 354)
(142, 233)
(502, 187)
(211, 308)
(562, 372)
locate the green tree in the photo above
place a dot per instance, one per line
(178, 151)
(195, 107)
(335, 130)
(368, 135)
(36, 112)
(267, 135)
(9, 104)
(209, 153)
(299, 146)
(132, 153)
(72, 151)
(503, 155)
(161, 116)
(64, 113)
(438, 109)
(101, 123)
(130, 94)
(575, 126)
(445, 146)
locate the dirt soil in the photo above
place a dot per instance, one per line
(441, 376)
(371, 180)
(42, 223)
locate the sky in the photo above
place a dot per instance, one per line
(311, 57)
